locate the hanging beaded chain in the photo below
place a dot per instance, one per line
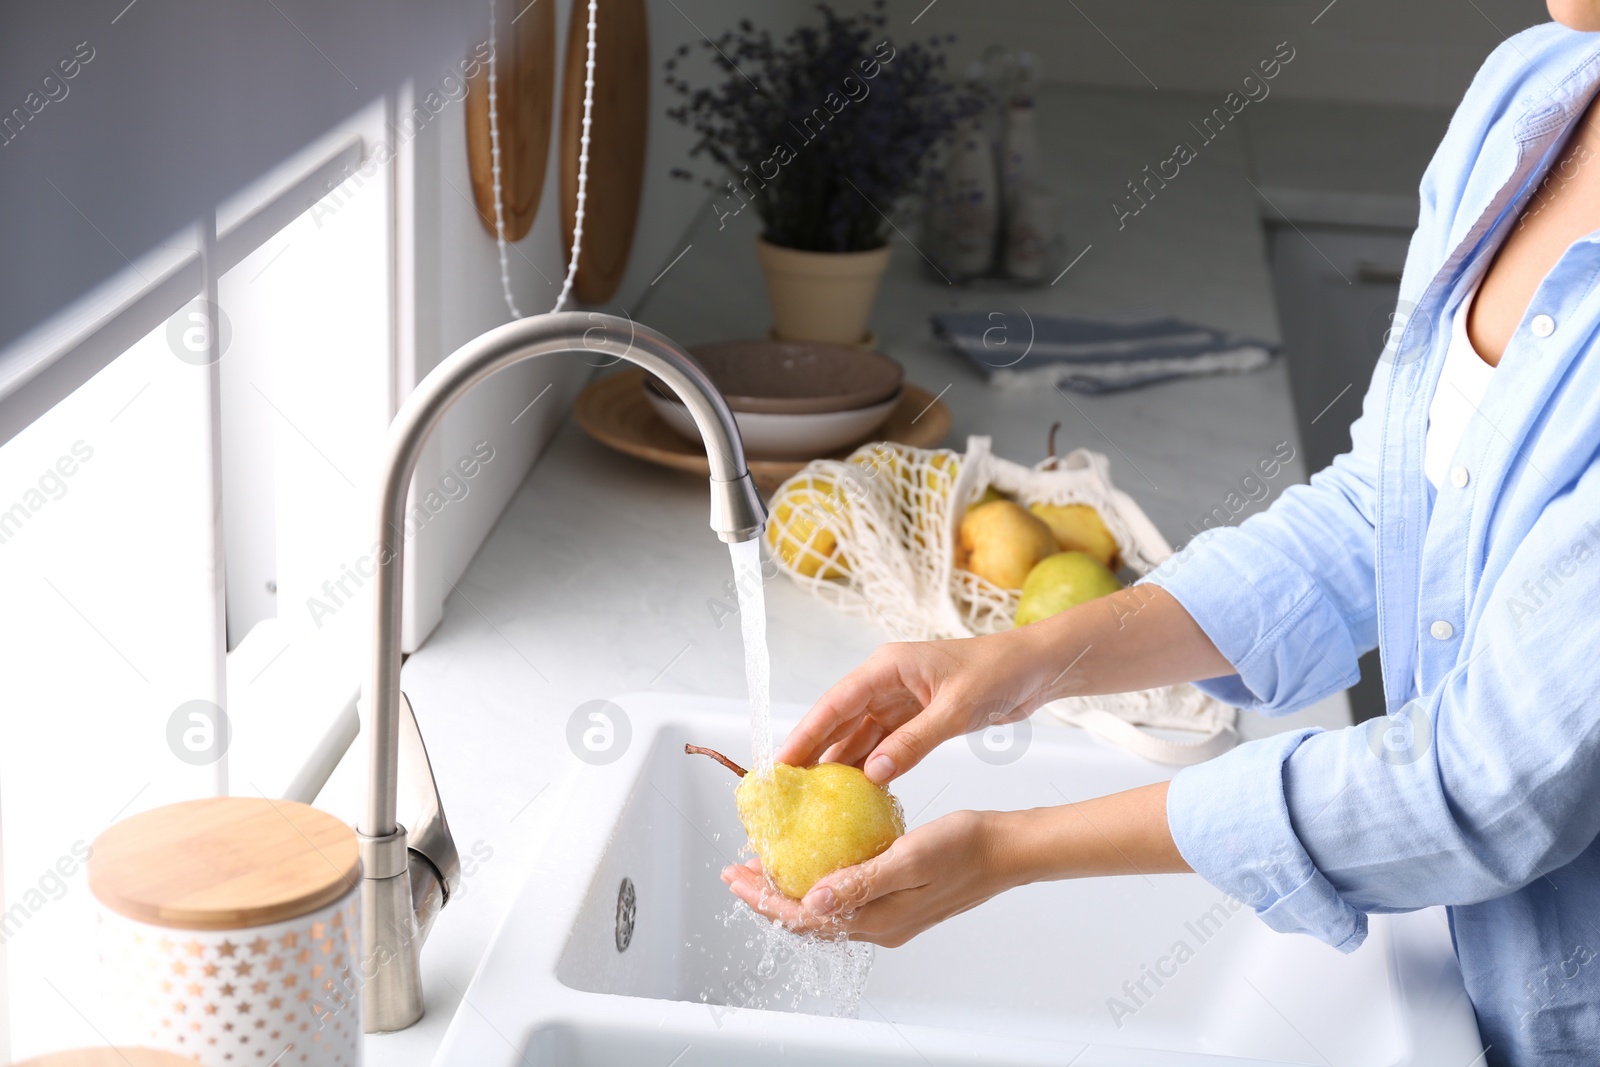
(583, 170)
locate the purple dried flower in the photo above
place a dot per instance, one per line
(824, 132)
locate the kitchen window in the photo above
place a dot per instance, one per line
(179, 492)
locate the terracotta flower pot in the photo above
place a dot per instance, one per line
(821, 296)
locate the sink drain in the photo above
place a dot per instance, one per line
(627, 908)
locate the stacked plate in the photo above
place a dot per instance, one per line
(791, 399)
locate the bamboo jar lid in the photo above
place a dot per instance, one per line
(224, 863)
(109, 1057)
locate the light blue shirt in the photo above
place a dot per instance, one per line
(1481, 790)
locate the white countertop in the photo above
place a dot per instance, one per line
(598, 578)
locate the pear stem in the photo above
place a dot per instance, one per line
(696, 750)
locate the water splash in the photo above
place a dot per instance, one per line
(746, 557)
(818, 974)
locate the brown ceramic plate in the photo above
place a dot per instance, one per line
(614, 411)
(796, 377)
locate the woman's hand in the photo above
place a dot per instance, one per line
(935, 871)
(909, 697)
(961, 860)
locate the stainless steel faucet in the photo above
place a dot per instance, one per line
(406, 881)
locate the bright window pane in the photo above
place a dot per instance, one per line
(104, 540)
(105, 572)
(305, 405)
(305, 395)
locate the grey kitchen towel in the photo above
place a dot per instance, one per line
(1094, 355)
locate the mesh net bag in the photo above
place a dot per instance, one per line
(875, 535)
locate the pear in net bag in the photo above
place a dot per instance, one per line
(877, 536)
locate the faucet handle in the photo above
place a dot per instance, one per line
(407, 879)
(428, 836)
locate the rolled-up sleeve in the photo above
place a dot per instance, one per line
(1231, 822)
(1289, 599)
(1289, 596)
(1487, 781)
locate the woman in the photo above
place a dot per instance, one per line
(1460, 535)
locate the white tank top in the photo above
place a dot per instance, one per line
(1462, 385)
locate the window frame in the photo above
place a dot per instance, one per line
(48, 363)
(62, 353)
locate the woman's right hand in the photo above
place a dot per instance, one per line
(909, 697)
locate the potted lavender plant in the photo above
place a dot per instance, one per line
(820, 135)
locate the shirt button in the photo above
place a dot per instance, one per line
(1442, 630)
(1458, 477)
(1542, 326)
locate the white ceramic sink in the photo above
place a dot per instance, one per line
(1026, 979)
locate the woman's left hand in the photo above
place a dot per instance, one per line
(958, 862)
(931, 873)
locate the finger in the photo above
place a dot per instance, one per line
(749, 871)
(884, 916)
(893, 920)
(854, 748)
(756, 891)
(846, 891)
(753, 863)
(827, 744)
(833, 716)
(906, 747)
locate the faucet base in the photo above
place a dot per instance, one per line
(391, 972)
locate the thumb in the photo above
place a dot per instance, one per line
(904, 748)
(849, 888)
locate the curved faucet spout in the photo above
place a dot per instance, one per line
(391, 928)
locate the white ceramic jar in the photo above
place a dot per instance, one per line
(230, 933)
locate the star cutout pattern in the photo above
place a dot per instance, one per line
(283, 995)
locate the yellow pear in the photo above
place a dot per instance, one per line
(942, 464)
(879, 459)
(807, 822)
(797, 528)
(934, 480)
(1063, 581)
(1079, 528)
(991, 494)
(1001, 541)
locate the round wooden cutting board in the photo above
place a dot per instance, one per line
(525, 89)
(619, 126)
(614, 411)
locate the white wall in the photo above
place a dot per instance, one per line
(183, 103)
(1420, 52)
